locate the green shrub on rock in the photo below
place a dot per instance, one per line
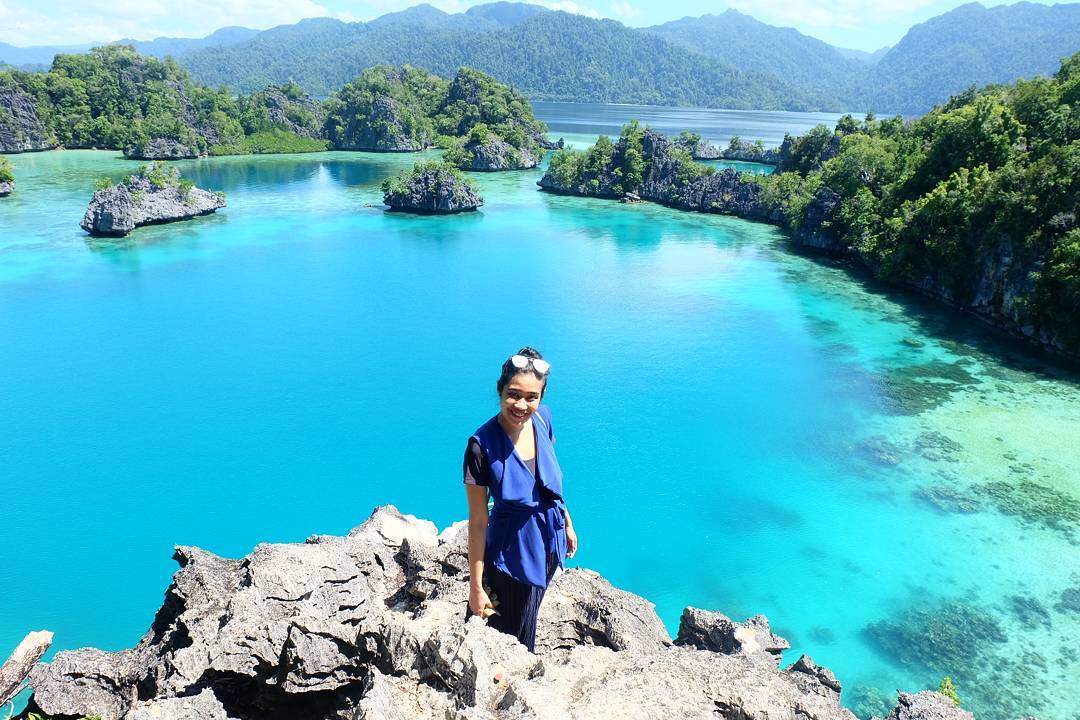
(948, 689)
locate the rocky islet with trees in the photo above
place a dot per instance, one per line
(154, 195)
(114, 98)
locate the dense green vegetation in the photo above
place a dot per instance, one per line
(611, 169)
(982, 189)
(408, 108)
(729, 60)
(386, 101)
(401, 184)
(547, 55)
(112, 97)
(6, 173)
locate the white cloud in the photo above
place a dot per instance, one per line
(72, 22)
(568, 6)
(828, 13)
(623, 9)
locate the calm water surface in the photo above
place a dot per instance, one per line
(741, 428)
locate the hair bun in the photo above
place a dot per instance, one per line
(530, 352)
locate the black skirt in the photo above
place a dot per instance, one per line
(517, 604)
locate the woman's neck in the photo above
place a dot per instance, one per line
(513, 432)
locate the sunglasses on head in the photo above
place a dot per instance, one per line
(521, 362)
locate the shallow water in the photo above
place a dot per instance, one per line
(741, 428)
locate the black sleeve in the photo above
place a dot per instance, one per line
(476, 468)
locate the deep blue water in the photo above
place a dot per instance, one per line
(741, 428)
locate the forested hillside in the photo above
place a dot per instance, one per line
(728, 60)
(742, 41)
(547, 55)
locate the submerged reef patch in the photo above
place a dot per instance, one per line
(967, 642)
(867, 701)
(948, 499)
(1034, 503)
(946, 639)
(937, 446)
(914, 389)
(1029, 612)
(1070, 601)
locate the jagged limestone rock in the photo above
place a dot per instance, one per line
(927, 705)
(717, 632)
(157, 196)
(373, 625)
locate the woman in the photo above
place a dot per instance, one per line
(514, 552)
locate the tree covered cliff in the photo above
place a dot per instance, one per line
(975, 203)
(112, 97)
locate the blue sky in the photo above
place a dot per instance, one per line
(849, 23)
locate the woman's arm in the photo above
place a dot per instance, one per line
(571, 536)
(479, 602)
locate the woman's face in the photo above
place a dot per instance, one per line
(519, 399)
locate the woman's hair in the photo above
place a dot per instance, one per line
(509, 371)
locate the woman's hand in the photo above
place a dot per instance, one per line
(571, 541)
(480, 603)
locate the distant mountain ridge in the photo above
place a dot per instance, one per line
(726, 60)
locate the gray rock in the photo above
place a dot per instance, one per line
(20, 127)
(582, 608)
(927, 705)
(815, 232)
(717, 632)
(433, 189)
(282, 111)
(204, 706)
(372, 625)
(160, 149)
(383, 130)
(6, 188)
(496, 154)
(823, 675)
(118, 210)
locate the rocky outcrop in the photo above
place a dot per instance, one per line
(382, 130)
(722, 192)
(156, 197)
(6, 187)
(496, 154)
(431, 189)
(717, 632)
(372, 626)
(160, 149)
(284, 110)
(737, 149)
(21, 129)
(927, 705)
(814, 231)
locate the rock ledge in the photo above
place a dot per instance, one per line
(372, 625)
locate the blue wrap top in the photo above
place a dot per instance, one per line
(526, 522)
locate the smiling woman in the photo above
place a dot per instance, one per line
(514, 550)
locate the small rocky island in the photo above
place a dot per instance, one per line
(7, 177)
(156, 194)
(431, 188)
(372, 627)
(737, 149)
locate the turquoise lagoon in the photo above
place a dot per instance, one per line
(742, 428)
